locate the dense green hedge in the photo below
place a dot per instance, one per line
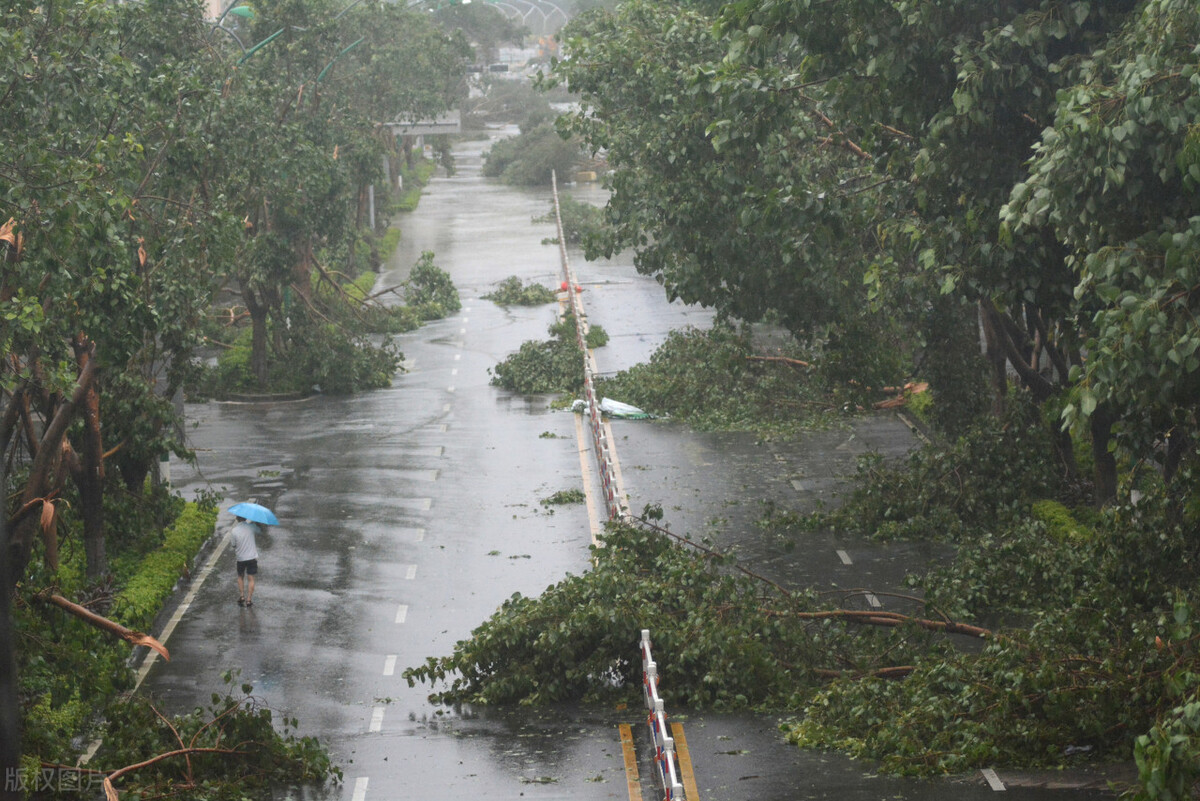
(144, 594)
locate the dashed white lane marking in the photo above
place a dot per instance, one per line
(410, 573)
(389, 665)
(450, 389)
(873, 601)
(376, 719)
(993, 780)
(845, 557)
(413, 534)
(462, 330)
(454, 371)
(442, 427)
(401, 613)
(797, 485)
(457, 356)
(360, 789)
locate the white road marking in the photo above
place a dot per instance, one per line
(450, 389)
(797, 485)
(457, 356)
(389, 665)
(376, 719)
(411, 572)
(454, 371)
(414, 534)
(993, 780)
(360, 789)
(873, 601)
(845, 557)
(401, 613)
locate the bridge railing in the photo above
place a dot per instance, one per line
(665, 762)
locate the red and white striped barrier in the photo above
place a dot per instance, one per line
(665, 762)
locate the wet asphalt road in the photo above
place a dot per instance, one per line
(408, 515)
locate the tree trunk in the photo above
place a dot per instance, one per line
(10, 733)
(88, 473)
(258, 341)
(1105, 463)
(24, 527)
(994, 353)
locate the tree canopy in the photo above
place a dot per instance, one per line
(155, 162)
(892, 177)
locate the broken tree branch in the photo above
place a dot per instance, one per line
(104, 624)
(780, 359)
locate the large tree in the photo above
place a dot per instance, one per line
(302, 122)
(827, 161)
(1116, 178)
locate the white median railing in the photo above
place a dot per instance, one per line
(614, 497)
(665, 762)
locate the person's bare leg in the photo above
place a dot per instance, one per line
(241, 590)
(249, 589)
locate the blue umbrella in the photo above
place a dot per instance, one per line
(252, 511)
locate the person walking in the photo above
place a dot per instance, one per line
(246, 552)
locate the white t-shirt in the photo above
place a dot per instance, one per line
(243, 541)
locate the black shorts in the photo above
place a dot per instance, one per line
(249, 567)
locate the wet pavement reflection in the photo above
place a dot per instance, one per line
(408, 515)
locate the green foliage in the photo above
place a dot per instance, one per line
(415, 180)
(341, 364)
(529, 158)
(1167, 768)
(1059, 521)
(429, 290)
(554, 365)
(951, 491)
(581, 222)
(261, 757)
(562, 497)
(596, 337)
(142, 597)
(707, 379)
(578, 639)
(512, 292)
